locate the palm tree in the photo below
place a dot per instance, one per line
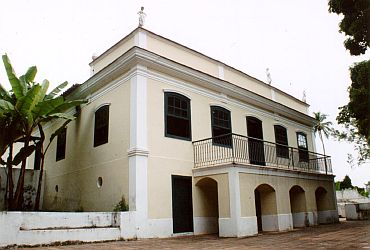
(322, 127)
(29, 107)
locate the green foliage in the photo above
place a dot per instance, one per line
(358, 107)
(337, 185)
(362, 192)
(355, 116)
(355, 23)
(22, 110)
(322, 127)
(346, 183)
(121, 205)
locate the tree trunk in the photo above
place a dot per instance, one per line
(18, 197)
(322, 142)
(38, 193)
(9, 179)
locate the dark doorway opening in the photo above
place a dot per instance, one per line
(182, 204)
(255, 141)
(257, 199)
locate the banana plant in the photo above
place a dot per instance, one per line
(29, 106)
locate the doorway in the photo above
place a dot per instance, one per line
(182, 204)
(255, 141)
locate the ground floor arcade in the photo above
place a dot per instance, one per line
(239, 201)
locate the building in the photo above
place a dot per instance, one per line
(194, 145)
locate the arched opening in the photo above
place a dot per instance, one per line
(208, 205)
(322, 204)
(255, 141)
(298, 206)
(266, 212)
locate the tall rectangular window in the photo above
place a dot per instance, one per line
(281, 138)
(101, 126)
(177, 116)
(302, 147)
(61, 145)
(221, 126)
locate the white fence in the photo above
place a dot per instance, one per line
(36, 228)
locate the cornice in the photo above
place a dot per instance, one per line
(138, 56)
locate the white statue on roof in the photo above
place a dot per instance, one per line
(269, 80)
(142, 16)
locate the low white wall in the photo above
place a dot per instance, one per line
(357, 211)
(35, 228)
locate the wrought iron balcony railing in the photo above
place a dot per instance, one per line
(237, 149)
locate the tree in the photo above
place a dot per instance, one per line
(354, 23)
(322, 127)
(24, 109)
(355, 116)
(346, 183)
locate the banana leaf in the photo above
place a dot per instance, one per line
(23, 154)
(17, 86)
(56, 91)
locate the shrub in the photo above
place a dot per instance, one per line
(121, 205)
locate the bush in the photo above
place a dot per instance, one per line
(121, 205)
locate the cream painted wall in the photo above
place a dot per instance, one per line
(181, 54)
(200, 206)
(105, 59)
(169, 156)
(248, 83)
(289, 102)
(77, 174)
(282, 185)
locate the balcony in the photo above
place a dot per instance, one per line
(233, 149)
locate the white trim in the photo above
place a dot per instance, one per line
(234, 199)
(300, 219)
(270, 222)
(285, 222)
(248, 226)
(280, 124)
(253, 169)
(253, 115)
(177, 92)
(213, 104)
(273, 94)
(205, 225)
(327, 216)
(221, 73)
(102, 105)
(140, 39)
(137, 151)
(157, 76)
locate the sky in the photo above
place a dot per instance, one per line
(297, 40)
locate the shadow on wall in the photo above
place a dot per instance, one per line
(31, 181)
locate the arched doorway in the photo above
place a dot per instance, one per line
(255, 141)
(298, 206)
(266, 211)
(322, 204)
(208, 204)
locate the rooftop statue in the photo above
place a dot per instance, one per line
(142, 16)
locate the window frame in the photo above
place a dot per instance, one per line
(167, 95)
(61, 145)
(96, 141)
(302, 151)
(214, 140)
(282, 148)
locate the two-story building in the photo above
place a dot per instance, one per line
(195, 146)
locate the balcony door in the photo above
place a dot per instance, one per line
(255, 141)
